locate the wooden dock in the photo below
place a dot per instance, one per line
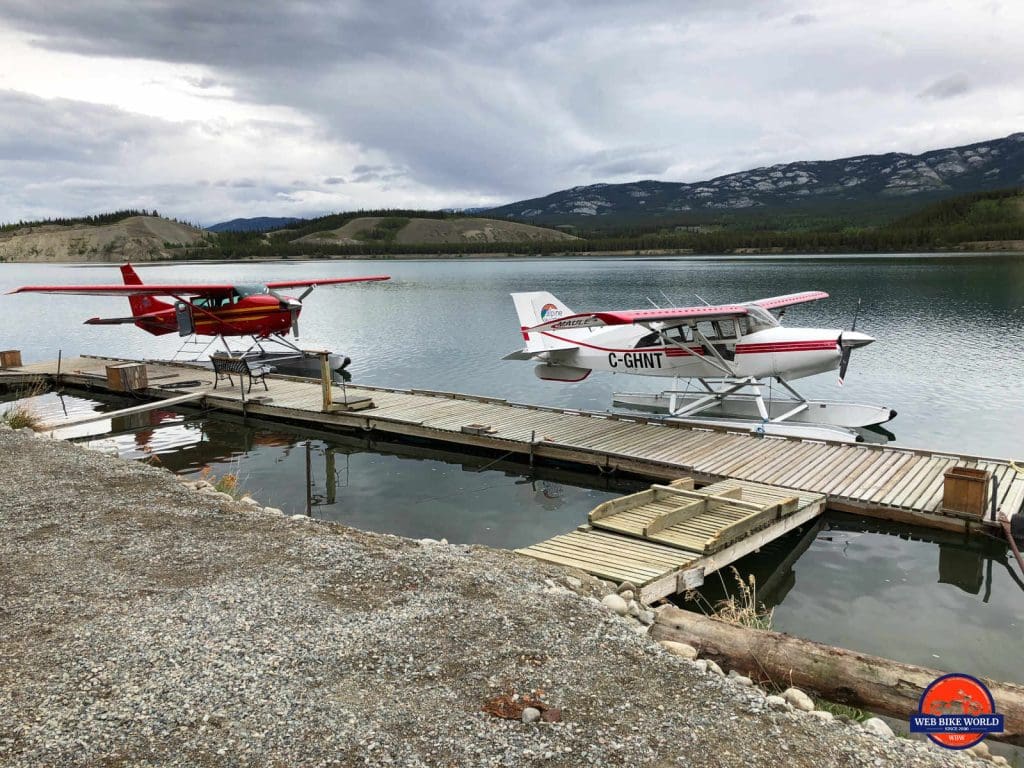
(901, 484)
(669, 538)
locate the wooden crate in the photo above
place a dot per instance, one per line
(127, 377)
(965, 491)
(10, 358)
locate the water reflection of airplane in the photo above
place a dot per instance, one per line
(223, 438)
(188, 442)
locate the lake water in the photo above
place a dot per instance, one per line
(949, 358)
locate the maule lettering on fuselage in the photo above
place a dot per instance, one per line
(580, 323)
(635, 360)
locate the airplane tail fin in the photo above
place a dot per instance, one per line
(141, 305)
(535, 308)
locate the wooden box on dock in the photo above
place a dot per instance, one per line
(965, 491)
(10, 358)
(127, 377)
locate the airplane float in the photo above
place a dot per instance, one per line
(733, 351)
(217, 310)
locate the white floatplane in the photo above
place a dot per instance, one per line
(732, 351)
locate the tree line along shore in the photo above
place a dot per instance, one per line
(989, 221)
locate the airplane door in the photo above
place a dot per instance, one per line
(183, 314)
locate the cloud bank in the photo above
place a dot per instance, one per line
(211, 111)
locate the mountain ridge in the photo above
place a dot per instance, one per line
(860, 179)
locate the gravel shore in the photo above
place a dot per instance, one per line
(145, 623)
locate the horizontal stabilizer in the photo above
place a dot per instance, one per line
(520, 354)
(547, 353)
(110, 320)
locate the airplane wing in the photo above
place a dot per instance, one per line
(161, 289)
(324, 281)
(776, 302)
(641, 316)
(217, 290)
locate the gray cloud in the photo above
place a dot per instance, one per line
(947, 88)
(202, 83)
(52, 134)
(628, 162)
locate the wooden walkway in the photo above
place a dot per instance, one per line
(901, 484)
(668, 539)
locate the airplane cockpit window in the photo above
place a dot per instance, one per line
(726, 328)
(210, 302)
(681, 334)
(759, 318)
(708, 329)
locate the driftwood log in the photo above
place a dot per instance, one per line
(835, 674)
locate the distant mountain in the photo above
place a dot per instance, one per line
(257, 224)
(867, 179)
(466, 211)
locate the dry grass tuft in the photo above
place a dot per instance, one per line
(742, 608)
(21, 414)
(227, 483)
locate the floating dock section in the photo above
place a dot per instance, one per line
(667, 539)
(901, 484)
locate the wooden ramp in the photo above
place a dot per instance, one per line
(667, 539)
(900, 484)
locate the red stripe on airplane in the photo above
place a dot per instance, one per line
(787, 346)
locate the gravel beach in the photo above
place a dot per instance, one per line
(143, 622)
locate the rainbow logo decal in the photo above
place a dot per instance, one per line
(550, 312)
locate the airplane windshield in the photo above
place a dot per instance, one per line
(759, 319)
(251, 289)
(254, 289)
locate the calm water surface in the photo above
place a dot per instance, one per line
(948, 358)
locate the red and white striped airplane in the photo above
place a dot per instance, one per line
(727, 348)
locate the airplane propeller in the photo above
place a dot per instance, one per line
(295, 306)
(849, 341)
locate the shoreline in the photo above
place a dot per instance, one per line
(145, 621)
(661, 253)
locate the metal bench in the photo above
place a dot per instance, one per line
(224, 366)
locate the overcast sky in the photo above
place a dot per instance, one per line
(213, 109)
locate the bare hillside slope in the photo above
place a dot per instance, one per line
(137, 238)
(418, 231)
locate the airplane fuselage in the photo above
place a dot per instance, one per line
(791, 353)
(258, 316)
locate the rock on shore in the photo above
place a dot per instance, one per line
(143, 622)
